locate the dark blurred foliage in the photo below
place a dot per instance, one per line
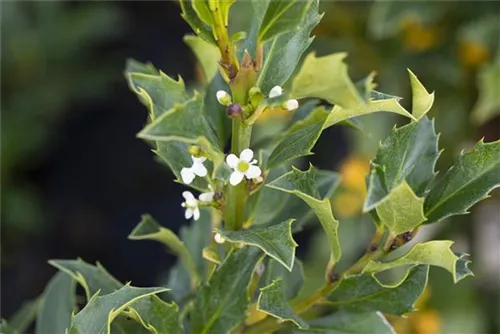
(75, 180)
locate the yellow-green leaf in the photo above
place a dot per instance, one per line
(402, 210)
(207, 54)
(421, 99)
(435, 253)
(488, 103)
(326, 78)
(303, 185)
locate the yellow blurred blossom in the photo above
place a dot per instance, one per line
(353, 188)
(417, 37)
(473, 54)
(274, 113)
(423, 321)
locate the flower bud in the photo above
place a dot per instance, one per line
(234, 110)
(223, 97)
(255, 96)
(195, 151)
(275, 91)
(219, 238)
(291, 105)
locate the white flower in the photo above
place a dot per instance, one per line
(242, 166)
(219, 238)
(196, 169)
(259, 268)
(223, 97)
(291, 105)
(191, 205)
(275, 91)
(208, 196)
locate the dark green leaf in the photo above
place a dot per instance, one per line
(156, 315)
(282, 16)
(409, 153)
(276, 241)
(291, 281)
(199, 27)
(365, 293)
(148, 228)
(345, 322)
(468, 181)
(435, 253)
(220, 305)
(272, 301)
(57, 306)
(96, 317)
(283, 53)
(303, 185)
(216, 112)
(91, 278)
(299, 140)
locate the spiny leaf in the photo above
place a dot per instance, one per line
(409, 153)
(346, 322)
(303, 185)
(57, 306)
(379, 102)
(282, 16)
(149, 228)
(207, 54)
(468, 181)
(220, 304)
(91, 278)
(299, 139)
(283, 53)
(291, 281)
(402, 210)
(488, 103)
(185, 123)
(435, 253)
(422, 100)
(203, 11)
(272, 301)
(156, 315)
(97, 316)
(326, 78)
(276, 241)
(365, 293)
(199, 27)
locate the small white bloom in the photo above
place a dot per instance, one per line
(291, 105)
(219, 238)
(191, 205)
(275, 91)
(196, 169)
(259, 268)
(208, 196)
(243, 166)
(223, 97)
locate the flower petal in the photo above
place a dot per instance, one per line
(235, 178)
(199, 169)
(198, 160)
(188, 214)
(275, 91)
(196, 214)
(187, 195)
(232, 160)
(187, 175)
(206, 197)
(246, 155)
(291, 105)
(192, 202)
(253, 172)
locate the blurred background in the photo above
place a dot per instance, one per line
(75, 180)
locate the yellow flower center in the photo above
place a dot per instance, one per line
(243, 166)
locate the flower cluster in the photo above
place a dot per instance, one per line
(243, 166)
